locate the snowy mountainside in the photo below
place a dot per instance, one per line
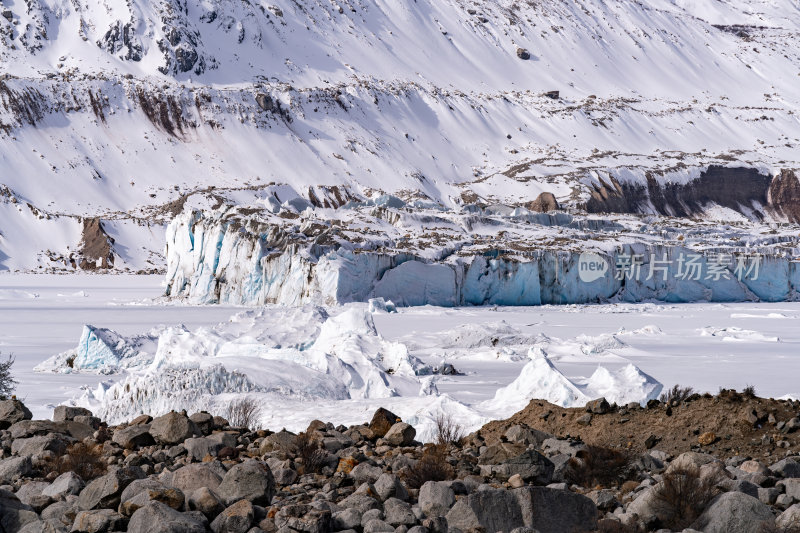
(124, 113)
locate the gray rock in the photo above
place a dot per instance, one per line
(284, 476)
(30, 493)
(197, 448)
(436, 524)
(768, 496)
(734, 511)
(235, 519)
(167, 495)
(789, 519)
(191, 477)
(598, 407)
(98, 521)
(138, 486)
(382, 421)
(62, 512)
(553, 511)
(11, 412)
(491, 510)
(526, 436)
(204, 421)
(360, 502)
(44, 526)
(104, 492)
(556, 446)
(389, 486)
(159, 518)
(64, 485)
(207, 502)
(173, 428)
(38, 444)
(14, 514)
(788, 468)
(281, 441)
(251, 480)
(378, 526)
(347, 519)
(436, 498)
(134, 436)
(790, 486)
(303, 518)
(400, 434)
(15, 467)
(65, 412)
(784, 501)
(365, 473)
(531, 466)
(398, 513)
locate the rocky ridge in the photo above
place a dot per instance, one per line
(179, 473)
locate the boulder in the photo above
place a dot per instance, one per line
(204, 421)
(133, 437)
(598, 407)
(14, 467)
(526, 436)
(98, 521)
(30, 493)
(382, 421)
(489, 510)
(207, 502)
(346, 519)
(786, 468)
(156, 517)
(173, 428)
(66, 412)
(235, 519)
(389, 486)
(192, 477)
(400, 434)
(398, 513)
(14, 514)
(500, 452)
(251, 480)
(436, 498)
(553, 511)
(38, 444)
(544, 203)
(197, 448)
(734, 511)
(167, 495)
(789, 520)
(365, 473)
(283, 440)
(105, 492)
(11, 412)
(523, 54)
(303, 518)
(360, 502)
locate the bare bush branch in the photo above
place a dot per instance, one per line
(85, 460)
(307, 448)
(683, 495)
(448, 431)
(243, 413)
(676, 394)
(432, 466)
(600, 466)
(7, 382)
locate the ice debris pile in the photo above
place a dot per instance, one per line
(471, 257)
(302, 361)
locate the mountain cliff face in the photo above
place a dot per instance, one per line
(130, 111)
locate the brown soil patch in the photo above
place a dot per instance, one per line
(728, 416)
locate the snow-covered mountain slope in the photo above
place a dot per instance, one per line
(127, 112)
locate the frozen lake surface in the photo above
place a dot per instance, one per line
(705, 346)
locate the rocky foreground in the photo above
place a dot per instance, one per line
(180, 473)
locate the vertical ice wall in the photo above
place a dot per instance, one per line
(213, 259)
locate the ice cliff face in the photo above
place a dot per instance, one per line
(124, 113)
(418, 257)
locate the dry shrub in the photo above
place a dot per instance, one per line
(85, 460)
(448, 431)
(598, 466)
(307, 448)
(243, 413)
(683, 496)
(749, 392)
(432, 466)
(7, 382)
(676, 394)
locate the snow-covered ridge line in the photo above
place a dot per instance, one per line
(418, 257)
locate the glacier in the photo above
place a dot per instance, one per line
(415, 257)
